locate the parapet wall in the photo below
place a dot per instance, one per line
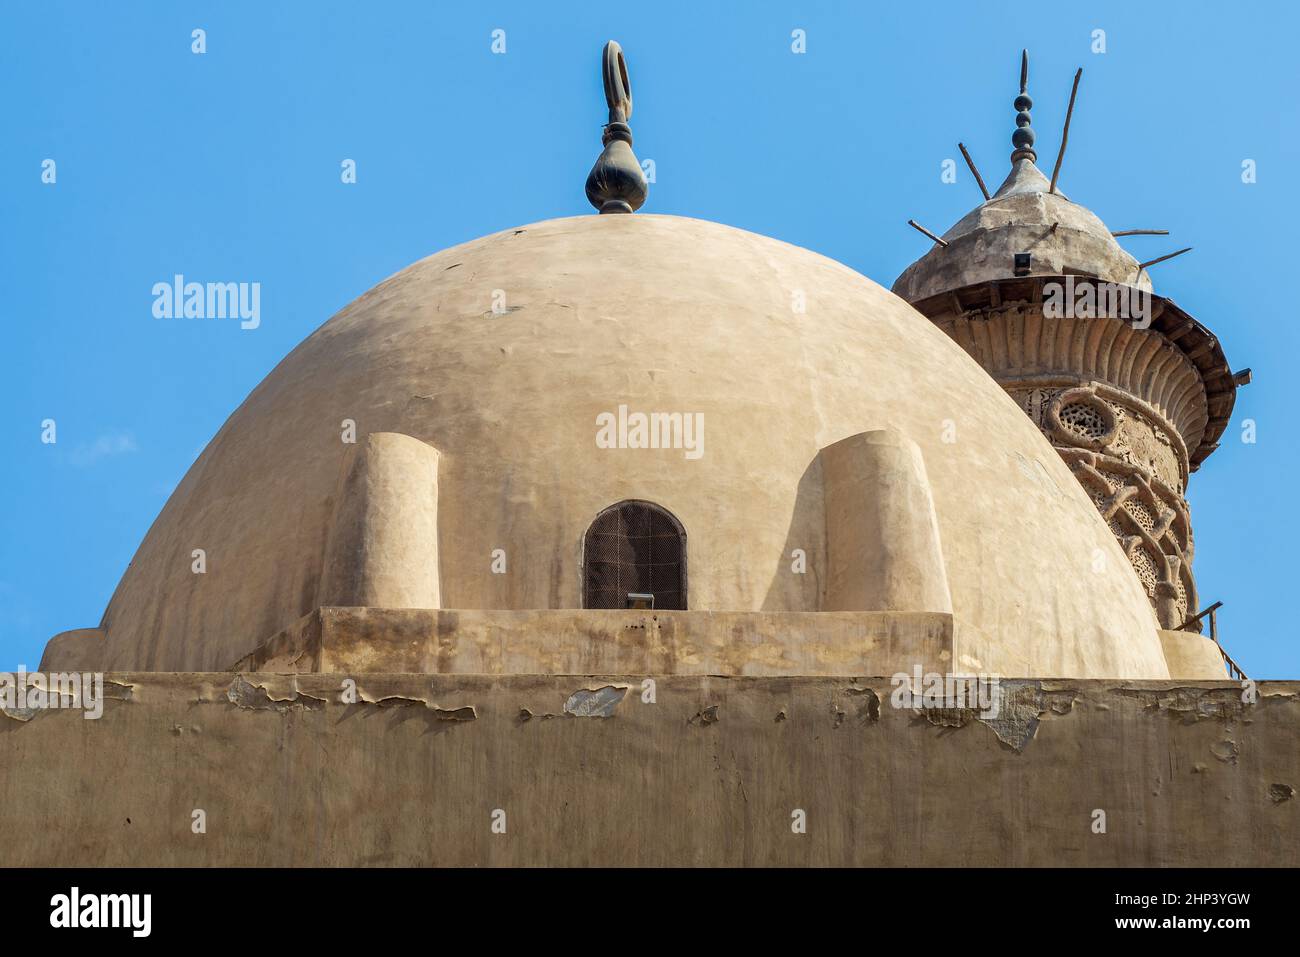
(684, 770)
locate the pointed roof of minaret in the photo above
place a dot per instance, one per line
(1025, 177)
(1025, 215)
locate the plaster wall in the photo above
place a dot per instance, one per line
(587, 772)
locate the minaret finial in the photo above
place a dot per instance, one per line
(1023, 138)
(616, 183)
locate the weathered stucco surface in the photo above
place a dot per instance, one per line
(783, 352)
(351, 640)
(709, 774)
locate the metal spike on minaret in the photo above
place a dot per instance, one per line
(616, 183)
(1023, 138)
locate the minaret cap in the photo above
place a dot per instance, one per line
(616, 183)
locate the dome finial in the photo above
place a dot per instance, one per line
(1023, 138)
(616, 183)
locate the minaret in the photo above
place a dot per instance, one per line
(1131, 390)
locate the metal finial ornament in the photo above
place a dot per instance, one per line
(1023, 138)
(616, 183)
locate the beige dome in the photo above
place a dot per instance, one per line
(661, 314)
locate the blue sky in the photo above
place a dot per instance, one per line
(226, 165)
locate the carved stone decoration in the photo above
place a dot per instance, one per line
(1097, 438)
(1078, 417)
(1018, 346)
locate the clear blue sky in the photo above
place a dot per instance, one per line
(226, 166)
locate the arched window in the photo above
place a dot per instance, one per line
(634, 556)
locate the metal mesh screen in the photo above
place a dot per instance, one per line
(634, 547)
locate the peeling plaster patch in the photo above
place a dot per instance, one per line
(1281, 792)
(869, 709)
(115, 690)
(20, 714)
(1022, 707)
(1225, 751)
(257, 698)
(467, 713)
(1059, 702)
(948, 717)
(705, 717)
(595, 703)
(1190, 704)
(865, 705)
(464, 713)
(1016, 726)
(526, 715)
(781, 715)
